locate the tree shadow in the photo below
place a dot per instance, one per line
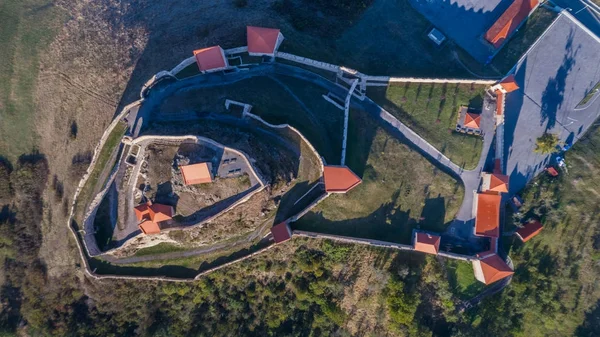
(591, 324)
(433, 214)
(554, 93)
(387, 223)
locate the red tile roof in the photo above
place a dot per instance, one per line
(196, 173)
(472, 120)
(151, 215)
(262, 40)
(509, 21)
(142, 211)
(281, 232)
(492, 269)
(529, 230)
(499, 103)
(159, 213)
(498, 183)
(149, 227)
(210, 58)
(339, 179)
(487, 221)
(552, 171)
(427, 243)
(509, 83)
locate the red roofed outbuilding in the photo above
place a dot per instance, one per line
(200, 173)
(426, 243)
(152, 215)
(487, 220)
(494, 182)
(263, 41)
(491, 269)
(472, 120)
(281, 232)
(149, 227)
(509, 84)
(211, 59)
(339, 179)
(509, 21)
(529, 230)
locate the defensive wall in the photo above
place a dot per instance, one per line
(365, 80)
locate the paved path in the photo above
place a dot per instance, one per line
(584, 10)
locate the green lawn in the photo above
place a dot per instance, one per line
(462, 280)
(26, 29)
(431, 110)
(400, 191)
(110, 146)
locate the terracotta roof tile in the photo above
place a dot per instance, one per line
(262, 40)
(529, 230)
(196, 173)
(509, 21)
(487, 221)
(149, 227)
(339, 179)
(210, 58)
(151, 215)
(159, 212)
(491, 269)
(472, 120)
(281, 232)
(509, 83)
(499, 183)
(427, 243)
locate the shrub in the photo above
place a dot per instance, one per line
(547, 143)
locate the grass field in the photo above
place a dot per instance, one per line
(431, 110)
(110, 146)
(462, 280)
(26, 29)
(278, 100)
(400, 191)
